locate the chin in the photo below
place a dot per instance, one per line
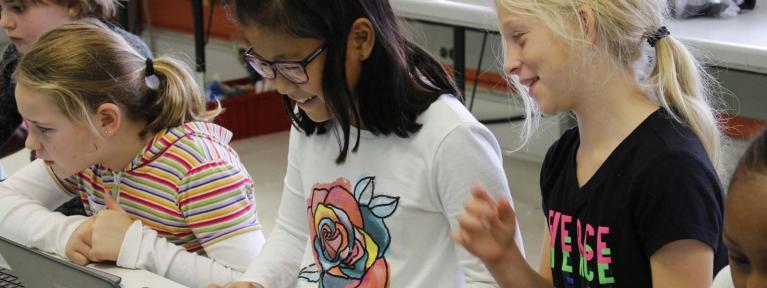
(319, 118)
(62, 172)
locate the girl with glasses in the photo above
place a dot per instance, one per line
(132, 137)
(382, 153)
(631, 195)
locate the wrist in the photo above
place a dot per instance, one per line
(128, 255)
(503, 267)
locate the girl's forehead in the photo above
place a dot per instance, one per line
(277, 45)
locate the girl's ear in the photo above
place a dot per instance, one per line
(589, 23)
(362, 38)
(108, 119)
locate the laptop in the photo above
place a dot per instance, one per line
(37, 269)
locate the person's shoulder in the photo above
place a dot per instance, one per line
(446, 112)
(9, 57)
(9, 50)
(444, 116)
(565, 143)
(663, 136)
(200, 144)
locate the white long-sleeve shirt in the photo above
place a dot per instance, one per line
(385, 215)
(27, 197)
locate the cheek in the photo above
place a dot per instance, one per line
(738, 276)
(353, 71)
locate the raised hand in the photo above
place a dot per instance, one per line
(108, 231)
(487, 228)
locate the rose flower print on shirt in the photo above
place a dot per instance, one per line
(348, 235)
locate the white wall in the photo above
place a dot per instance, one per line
(221, 56)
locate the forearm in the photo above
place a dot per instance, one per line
(26, 200)
(30, 224)
(142, 248)
(513, 271)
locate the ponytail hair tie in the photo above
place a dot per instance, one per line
(150, 78)
(661, 33)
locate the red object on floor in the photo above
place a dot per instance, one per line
(742, 128)
(253, 114)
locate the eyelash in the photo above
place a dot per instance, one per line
(517, 36)
(44, 130)
(15, 8)
(738, 259)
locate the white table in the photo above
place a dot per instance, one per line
(137, 278)
(739, 42)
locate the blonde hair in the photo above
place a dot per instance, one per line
(99, 9)
(84, 64)
(677, 82)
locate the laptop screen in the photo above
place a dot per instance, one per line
(38, 269)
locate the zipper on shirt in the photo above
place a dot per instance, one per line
(116, 187)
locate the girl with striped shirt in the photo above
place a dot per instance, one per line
(131, 136)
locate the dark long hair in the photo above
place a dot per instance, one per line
(397, 83)
(754, 160)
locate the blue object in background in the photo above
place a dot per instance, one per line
(214, 91)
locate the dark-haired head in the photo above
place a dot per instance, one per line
(745, 219)
(753, 164)
(369, 75)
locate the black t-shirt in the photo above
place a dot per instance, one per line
(657, 186)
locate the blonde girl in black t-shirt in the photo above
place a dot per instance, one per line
(631, 195)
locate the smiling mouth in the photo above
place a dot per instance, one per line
(304, 100)
(529, 83)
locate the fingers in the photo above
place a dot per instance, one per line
(504, 227)
(78, 252)
(481, 195)
(506, 212)
(471, 223)
(111, 202)
(485, 215)
(95, 256)
(86, 231)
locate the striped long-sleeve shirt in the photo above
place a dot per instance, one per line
(187, 184)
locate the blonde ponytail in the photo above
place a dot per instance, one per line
(177, 100)
(682, 89)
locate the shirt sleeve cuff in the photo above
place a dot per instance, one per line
(66, 233)
(129, 251)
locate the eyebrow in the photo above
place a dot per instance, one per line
(37, 123)
(279, 57)
(513, 26)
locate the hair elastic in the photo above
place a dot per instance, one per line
(661, 33)
(151, 79)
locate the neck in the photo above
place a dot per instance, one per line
(609, 113)
(125, 145)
